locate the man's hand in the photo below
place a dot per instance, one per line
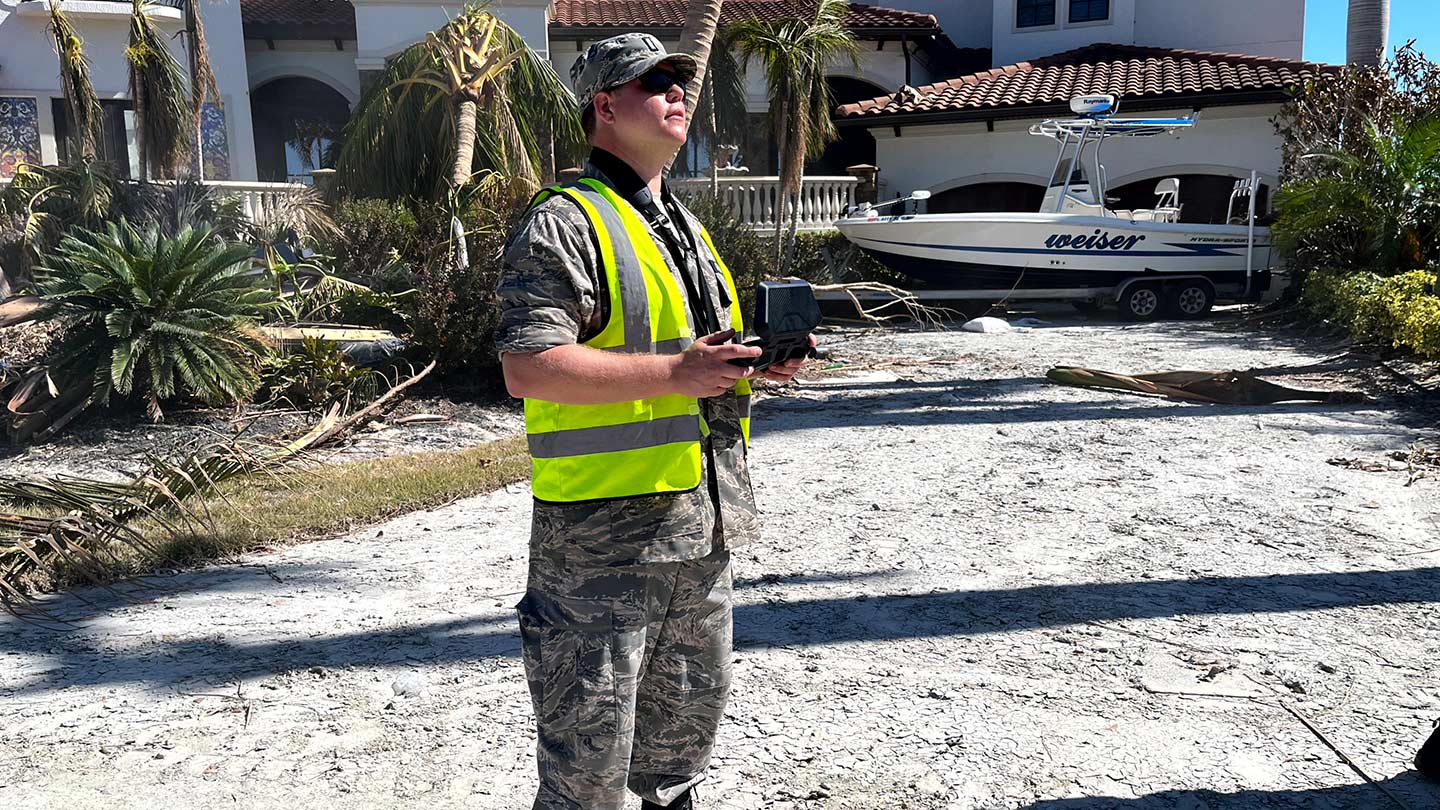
(783, 372)
(705, 370)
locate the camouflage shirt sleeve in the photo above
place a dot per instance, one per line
(548, 281)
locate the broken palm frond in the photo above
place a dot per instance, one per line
(1417, 461)
(80, 521)
(80, 99)
(162, 101)
(203, 87)
(1214, 387)
(902, 305)
(23, 309)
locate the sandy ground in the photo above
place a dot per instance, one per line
(977, 590)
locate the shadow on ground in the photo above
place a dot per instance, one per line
(79, 659)
(1347, 797)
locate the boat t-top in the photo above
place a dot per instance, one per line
(1076, 247)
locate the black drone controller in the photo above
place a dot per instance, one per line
(786, 312)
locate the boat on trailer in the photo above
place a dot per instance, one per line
(1076, 247)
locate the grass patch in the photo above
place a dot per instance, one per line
(313, 502)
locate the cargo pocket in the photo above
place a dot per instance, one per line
(571, 671)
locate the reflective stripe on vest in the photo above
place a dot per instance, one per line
(623, 449)
(742, 387)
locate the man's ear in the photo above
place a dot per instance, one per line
(605, 106)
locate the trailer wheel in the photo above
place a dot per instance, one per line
(1141, 302)
(1190, 299)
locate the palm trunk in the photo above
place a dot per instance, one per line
(711, 134)
(702, 18)
(783, 124)
(460, 174)
(1367, 31)
(464, 143)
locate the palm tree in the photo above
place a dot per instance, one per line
(474, 83)
(80, 99)
(702, 18)
(158, 91)
(794, 52)
(1366, 31)
(466, 69)
(1374, 206)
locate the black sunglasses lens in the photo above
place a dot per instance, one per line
(658, 81)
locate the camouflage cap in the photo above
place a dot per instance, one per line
(609, 63)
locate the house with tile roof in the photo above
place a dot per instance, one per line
(290, 71)
(965, 139)
(941, 97)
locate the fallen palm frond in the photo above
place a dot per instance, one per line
(78, 523)
(1215, 387)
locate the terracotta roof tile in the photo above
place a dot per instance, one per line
(650, 14)
(578, 15)
(1128, 71)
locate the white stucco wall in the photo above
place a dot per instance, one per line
(966, 22)
(225, 38)
(1269, 28)
(1019, 44)
(946, 156)
(386, 27)
(29, 66)
(310, 59)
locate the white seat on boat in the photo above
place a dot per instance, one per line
(1168, 190)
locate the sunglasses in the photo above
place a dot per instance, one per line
(657, 80)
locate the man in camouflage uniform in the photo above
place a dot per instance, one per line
(626, 621)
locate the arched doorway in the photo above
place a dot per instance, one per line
(991, 196)
(1204, 198)
(298, 122)
(856, 145)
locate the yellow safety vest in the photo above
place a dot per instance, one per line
(642, 447)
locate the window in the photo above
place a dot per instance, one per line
(117, 144)
(1089, 10)
(1033, 13)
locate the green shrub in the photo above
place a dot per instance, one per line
(453, 312)
(372, 236)
(1401, 310)
(155, 315)
(316, 374)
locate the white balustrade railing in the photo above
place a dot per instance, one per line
(256, 198)
(756, 200)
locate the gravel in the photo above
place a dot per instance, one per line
(977, 590)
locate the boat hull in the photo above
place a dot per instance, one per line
(1064, 255)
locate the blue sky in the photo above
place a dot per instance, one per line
(1409, 19)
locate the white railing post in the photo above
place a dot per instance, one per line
(756, 201)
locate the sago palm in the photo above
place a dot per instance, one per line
(154, 315)
(412, 136)
(794, 53)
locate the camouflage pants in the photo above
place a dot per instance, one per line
(629, 669)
